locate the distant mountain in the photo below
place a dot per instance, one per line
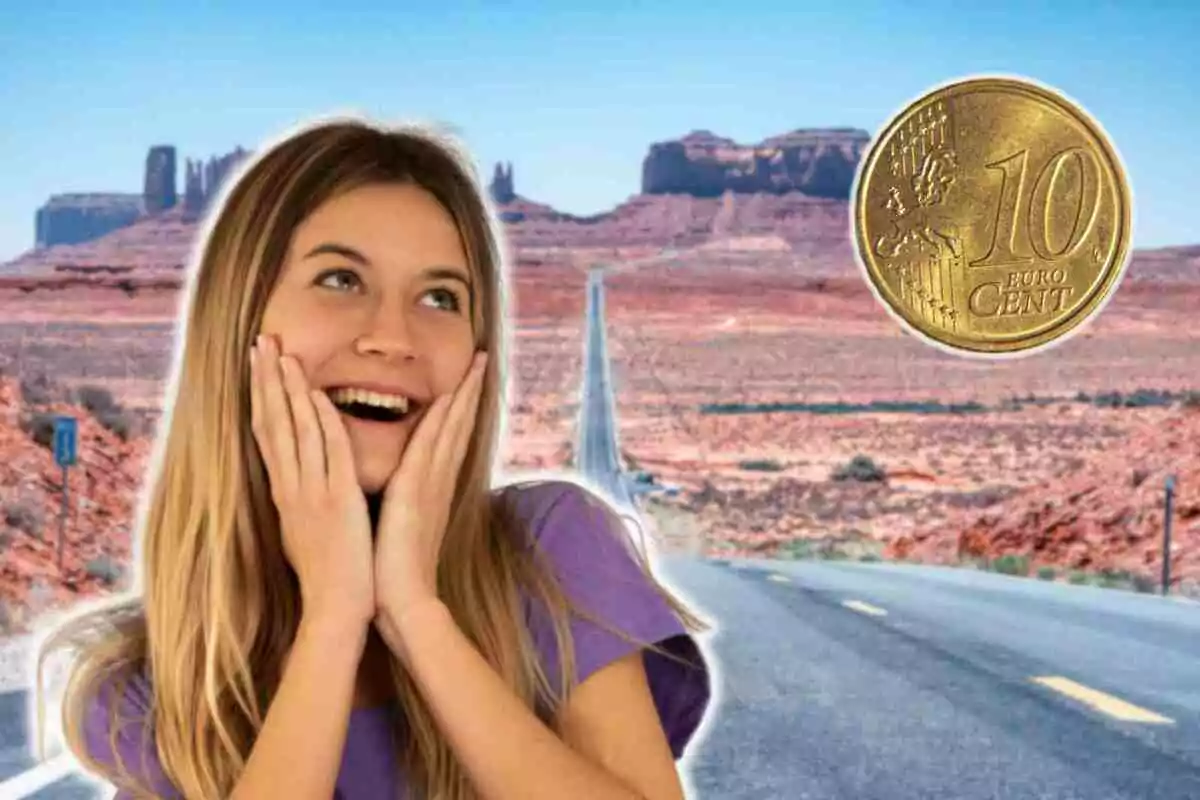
(817, 163)
(84, 217)
(696, 190)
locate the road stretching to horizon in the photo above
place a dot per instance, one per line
(876, 681)
(598, 455)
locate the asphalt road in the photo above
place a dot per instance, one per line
(877, 681)
(597, 456)
(838, 680)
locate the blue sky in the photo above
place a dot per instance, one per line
(572, 98)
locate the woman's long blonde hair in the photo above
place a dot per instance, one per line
(215, 607)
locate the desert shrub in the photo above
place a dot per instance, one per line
(40, 427)
(1149, 397)
(40, 391)
(96, 399)
(842, 407)
(1078, 577)
(108, 412)
(104, 568)
(1145, 584)
(761, 465)
(726, 408)
(1138, 399)
(798, 548)
(24, 515)
(1047, 573)
(1190, 400)
(860, 468)
(117, 420)
(1011, 564)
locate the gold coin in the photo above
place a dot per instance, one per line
(992, 217)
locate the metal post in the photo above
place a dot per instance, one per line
(1166, 558)
(62, 520)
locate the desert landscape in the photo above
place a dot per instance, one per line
(801, 420)
(769, 405)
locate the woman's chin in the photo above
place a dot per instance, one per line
(376, 458)
(375, 465)
(374, 474)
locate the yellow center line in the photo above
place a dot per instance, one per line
(1102, 702)
(864, 608)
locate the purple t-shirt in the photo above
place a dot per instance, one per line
(596, 570)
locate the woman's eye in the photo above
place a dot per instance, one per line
(345, 274)
(446, 299)
(348, 280)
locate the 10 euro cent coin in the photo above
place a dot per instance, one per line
(992, 217)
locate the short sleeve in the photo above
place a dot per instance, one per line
(134, 734)
(588, 548)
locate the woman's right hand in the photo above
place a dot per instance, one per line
(325, 525)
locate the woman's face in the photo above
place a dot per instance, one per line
(375, 294)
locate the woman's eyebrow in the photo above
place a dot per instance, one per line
(333, 248)
(447, 273)
(438, 272)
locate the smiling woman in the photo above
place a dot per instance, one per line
(375, 302)
(336, 598)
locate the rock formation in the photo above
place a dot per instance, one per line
(501, 186)
(159, 183)
(816, 162)
(704, 187)
(700, 190)
(203, 180)
(72, 219)
(75, 218)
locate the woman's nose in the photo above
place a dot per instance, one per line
(389, 334)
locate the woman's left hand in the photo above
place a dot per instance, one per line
(417, 499)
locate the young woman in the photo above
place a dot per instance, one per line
(335, 600)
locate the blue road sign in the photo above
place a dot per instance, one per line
(64, 440)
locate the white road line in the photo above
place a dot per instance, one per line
(864, 608)
(37, 778)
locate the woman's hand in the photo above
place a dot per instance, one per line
(416, 502)
(325, 526)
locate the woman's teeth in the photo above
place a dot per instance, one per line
(392, 402)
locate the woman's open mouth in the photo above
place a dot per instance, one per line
(372, 406)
